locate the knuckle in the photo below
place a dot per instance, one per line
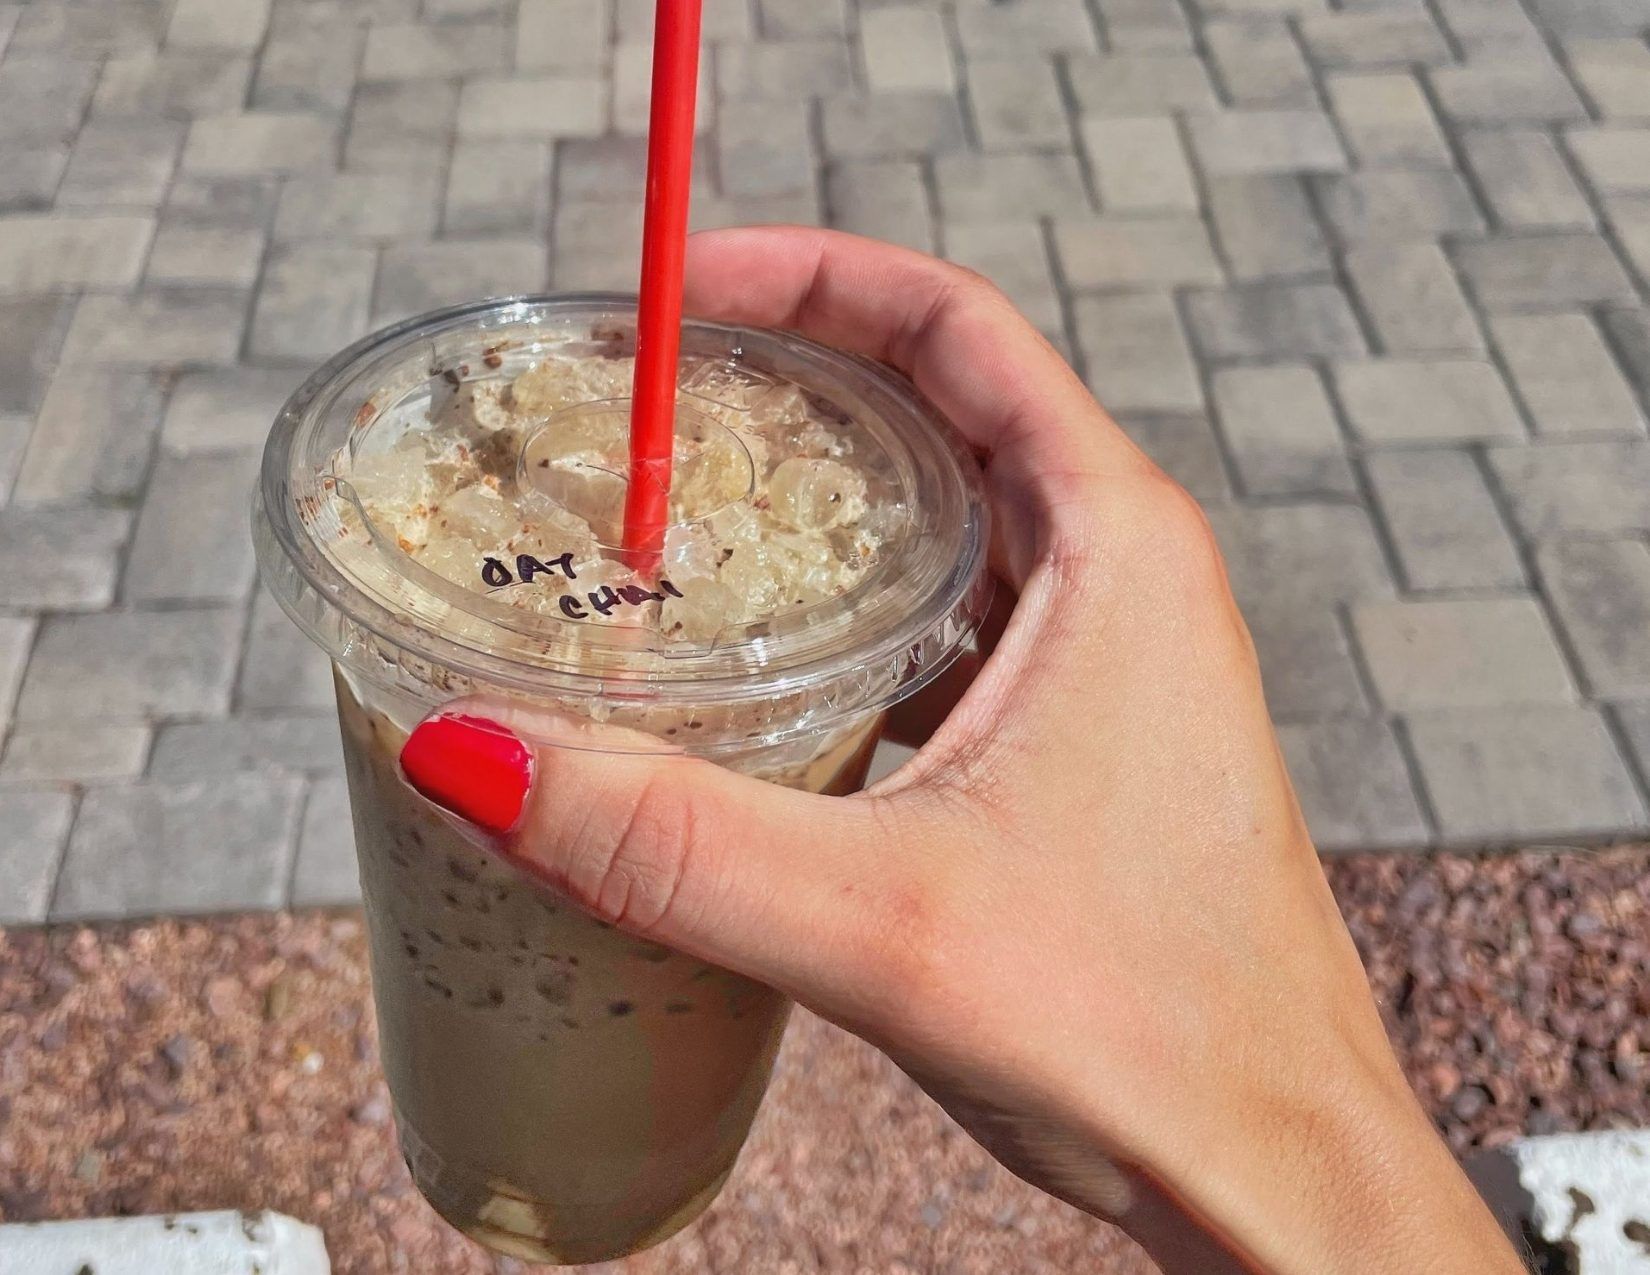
(967, 290)
(964, 278)
(909, 947)
(1164, 526)
(628, 862)
(912, 946)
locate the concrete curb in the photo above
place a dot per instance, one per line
(219, 1243)
(1578, 1202)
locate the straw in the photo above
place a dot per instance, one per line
(664, 246)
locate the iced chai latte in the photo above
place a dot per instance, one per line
(440, 508)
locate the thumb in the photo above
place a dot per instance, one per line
(784, 886)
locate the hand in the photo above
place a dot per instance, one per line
(1086, 916)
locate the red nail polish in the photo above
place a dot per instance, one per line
(471, 766)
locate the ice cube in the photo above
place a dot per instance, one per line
(399, 475)
(557, 383)
(454, 558)
(750, 575)
(551, 531)
(815, 495)
(781, 405)
(476, 513)
(704, 610)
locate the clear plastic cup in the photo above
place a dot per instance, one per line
(564, 1092)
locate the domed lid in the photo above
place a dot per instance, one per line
(441, 504)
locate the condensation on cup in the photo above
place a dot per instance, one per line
(440, 509)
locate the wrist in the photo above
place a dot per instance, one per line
(1343, 1174)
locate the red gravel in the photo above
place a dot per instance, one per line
(231, 1063)
(1516, 989)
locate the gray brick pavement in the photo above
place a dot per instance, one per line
(1499, 776)
(134, 664)
(1443, 521)
(34, 824)
(59, 557)
(1139, 163)
(883, 198)
(303, 742)
(1466, 653)
(1426, 400)
(1412, 298)
(1614, 74)
(1306, 658)
(1245, 143)
(279, 669)
(43, 253)
(1260, 64)
(1544, 272)
(1276, 321)
(1600, 590)
(16, 637)
(1507, 85)
(82, 753)
(1281, 430)
(108, 414)
(1562, 370)
(1138, 253)
(168, 329)
(1301, 553)
(222, 256)
(1399, 204)
(190, 545)
(1369, 279)
(1015, 256)
(1386, 119)
(1575, 489)
(1353, 785)
(182, 827)
(324, 871)
(226, 409)
(1184, 445)
(313, 297)
(1266, 228)
(1525, 180)
(1135, 344)
(31, 329)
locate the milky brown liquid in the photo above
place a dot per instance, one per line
(564, 1092)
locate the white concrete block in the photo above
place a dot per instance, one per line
(1611, 1169)
(219, 1243)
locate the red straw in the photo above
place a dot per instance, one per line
(664, 246)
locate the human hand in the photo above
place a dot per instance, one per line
(1087, 915)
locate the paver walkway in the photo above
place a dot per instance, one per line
(1370, 280)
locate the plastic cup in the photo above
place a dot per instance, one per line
(564, 1092)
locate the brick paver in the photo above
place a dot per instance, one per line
(34, 824)
(1371, 280)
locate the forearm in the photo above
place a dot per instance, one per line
(1372, 1189)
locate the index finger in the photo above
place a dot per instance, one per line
(957, 337)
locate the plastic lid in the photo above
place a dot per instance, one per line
(829, 471)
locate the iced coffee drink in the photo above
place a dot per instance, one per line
(441, 508)
(564, 1092)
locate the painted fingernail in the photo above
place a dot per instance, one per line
(471, 766)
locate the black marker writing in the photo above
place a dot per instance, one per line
(607, 599)
(636, 595)
(527, 566)
(604, 600)
(497, 575)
